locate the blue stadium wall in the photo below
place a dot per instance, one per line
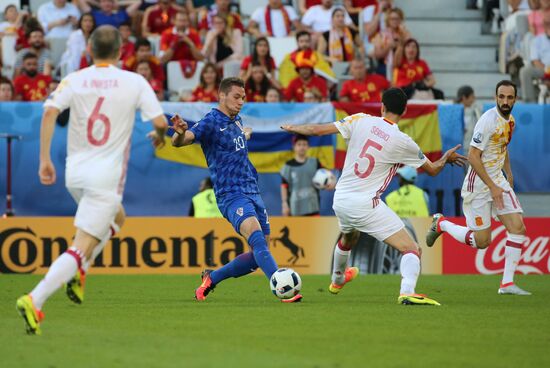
(157, 187)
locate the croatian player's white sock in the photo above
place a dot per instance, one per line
(460, 233)
(341, 256)
(410, 269)
(61, 271)
(99, 248)
(512, 254)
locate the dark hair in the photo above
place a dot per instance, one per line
(256, 58)
(143, 62)
(264, 83)
(464, 91)
(208, 182)
(206, 66)
(31, 25)
(228, 83)
(506, 82)
(86, 15)
(32, 30)
(105, 42)
(336, 10)
(299, 137)
(141, 42)
(30, 55)
(125, 24)
(7, 8)
(409, 41)
(302, 33)
(395, 100)
(4, 80)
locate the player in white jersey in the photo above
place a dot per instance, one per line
(376, 149)
(103, 101)
(486, 192)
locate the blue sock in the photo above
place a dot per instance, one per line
(242, 265)
(262, 255)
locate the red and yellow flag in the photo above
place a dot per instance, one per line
(420, 122)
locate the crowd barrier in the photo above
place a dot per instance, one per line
(174, 177)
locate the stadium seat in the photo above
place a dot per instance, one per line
(35, 4)
(231, 68)
(8, 55)
(280, 47)
(155, 44)
(57, 48)
(177, 81)
(247, 7)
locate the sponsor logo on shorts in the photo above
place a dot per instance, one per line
(479, 221)
(478, 138)
(240, 211)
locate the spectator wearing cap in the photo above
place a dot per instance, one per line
(341, 42)
(363, 87)
(287, 69)
(306, 80)
(298, 195)
(409, 200)
(318, 18)
(273, 20)
(472, 112)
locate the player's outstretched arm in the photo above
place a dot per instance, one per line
(311, 129)
(161, 126)
(451, 157)
(474, 157)
(46, 171)
(182, 136)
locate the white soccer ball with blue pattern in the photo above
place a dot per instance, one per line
(285, 283)
(323, 179)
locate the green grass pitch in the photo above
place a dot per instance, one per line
(153, 321)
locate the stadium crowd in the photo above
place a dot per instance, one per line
(308, 51)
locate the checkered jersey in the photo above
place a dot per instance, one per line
(226, 150)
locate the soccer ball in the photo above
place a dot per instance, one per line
(323, 178)
(285, 283)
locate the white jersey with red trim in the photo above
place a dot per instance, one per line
(376, 149)
(103, 101)
(492, 134)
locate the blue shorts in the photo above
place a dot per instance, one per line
(238, 207)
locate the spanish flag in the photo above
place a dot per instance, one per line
(420, 122)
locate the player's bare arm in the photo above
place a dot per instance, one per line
(247, 132)
(182, 136)
(449, 157)
(508, 170)
(46, 171)
(311, 129)
(474, 157)
(161, 126)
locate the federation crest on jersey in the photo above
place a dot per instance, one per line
(478, 138)
(240, 211)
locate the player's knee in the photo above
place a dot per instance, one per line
(350, 239)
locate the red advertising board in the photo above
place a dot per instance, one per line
(535, 256)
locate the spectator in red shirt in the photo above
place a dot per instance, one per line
(414, 74)
(143, 52)
(181, 42)
(30, 85)
(306, 80)
(127, 48)
(341, 42)
(258, 83)
(158, 18)
(144, 69)
(23, 33)
(220, 7)
(37, 46)
(260, 54)
(363, 87)
(6, 89)
(207, 90)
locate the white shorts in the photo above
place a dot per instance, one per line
(97, 209)
(380, 222)
(479, 209)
